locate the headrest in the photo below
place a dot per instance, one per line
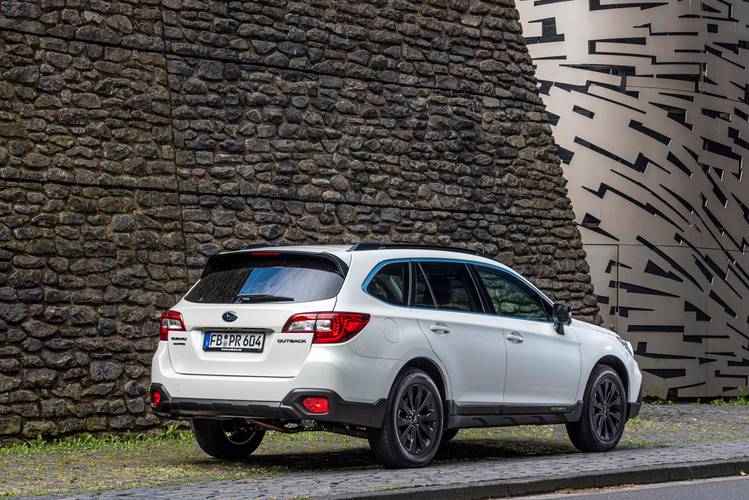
(442, 288)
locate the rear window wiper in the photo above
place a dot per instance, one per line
(261, 297)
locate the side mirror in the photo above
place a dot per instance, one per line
(562, 315)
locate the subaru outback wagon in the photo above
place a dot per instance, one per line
(401, 345)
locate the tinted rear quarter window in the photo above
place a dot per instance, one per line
(236, 278)
(389, 284)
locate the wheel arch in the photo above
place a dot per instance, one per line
(619, 367)
(433, 370)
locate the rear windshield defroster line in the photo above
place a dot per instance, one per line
(231, 278)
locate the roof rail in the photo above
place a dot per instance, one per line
(357, 247)
(369, 245)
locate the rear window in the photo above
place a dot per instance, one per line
(240, 278)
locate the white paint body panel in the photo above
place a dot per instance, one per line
(545, 367)
(477, 363)
(276, 360)
(473, 353)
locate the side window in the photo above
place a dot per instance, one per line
(452, 286)
(422, 294)
(510, 298)
(390, 284)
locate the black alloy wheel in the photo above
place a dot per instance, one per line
(607, 410)
(416, 418)
(412, 428)
(604, 412)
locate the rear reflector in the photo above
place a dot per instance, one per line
(171, 321)
(316, 404)
(155, 399)
(327, 327)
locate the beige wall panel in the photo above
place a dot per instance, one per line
(662, 313)
(649, 105)
(604, 259)
(728, 342)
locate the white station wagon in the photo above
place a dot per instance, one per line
(402, 345)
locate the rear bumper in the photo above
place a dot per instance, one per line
(340, 411)
(334, 367)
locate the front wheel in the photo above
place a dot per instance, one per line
(412, 428)
(604, 412)
(227, 439)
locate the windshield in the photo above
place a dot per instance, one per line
(245, 278)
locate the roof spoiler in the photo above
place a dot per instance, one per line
(339, 264)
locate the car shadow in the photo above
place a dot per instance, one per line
(486, 449)
(457, 451)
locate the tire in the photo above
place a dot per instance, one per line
(448, 436)
(604, 412)
(227, 439)
(412, 427)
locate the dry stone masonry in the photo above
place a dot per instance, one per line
(137, 138)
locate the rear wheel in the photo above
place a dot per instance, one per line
(227, 439)
(604, 412)
(412, 428)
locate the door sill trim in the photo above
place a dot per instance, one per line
(508, 415)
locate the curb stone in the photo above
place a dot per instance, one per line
(518, 487)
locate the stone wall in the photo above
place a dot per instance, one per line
(138, 138)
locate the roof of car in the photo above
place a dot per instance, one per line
(414, 250)
(394, 251)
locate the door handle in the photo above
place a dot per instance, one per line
(440, 328)
(514, 337)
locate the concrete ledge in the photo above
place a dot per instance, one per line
(547, 484)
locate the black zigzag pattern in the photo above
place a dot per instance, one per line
(650, 102)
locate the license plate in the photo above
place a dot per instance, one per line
(233, 342)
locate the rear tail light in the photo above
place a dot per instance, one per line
(317, 405)
(171, 321)
(327, 327)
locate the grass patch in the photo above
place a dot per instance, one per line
(86, 443)
(741, 400)
(655, 401)
(738, 401)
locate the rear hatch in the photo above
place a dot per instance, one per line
(235, 314)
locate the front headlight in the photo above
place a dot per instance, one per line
(627, 346)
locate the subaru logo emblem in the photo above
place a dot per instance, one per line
(229, 316)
